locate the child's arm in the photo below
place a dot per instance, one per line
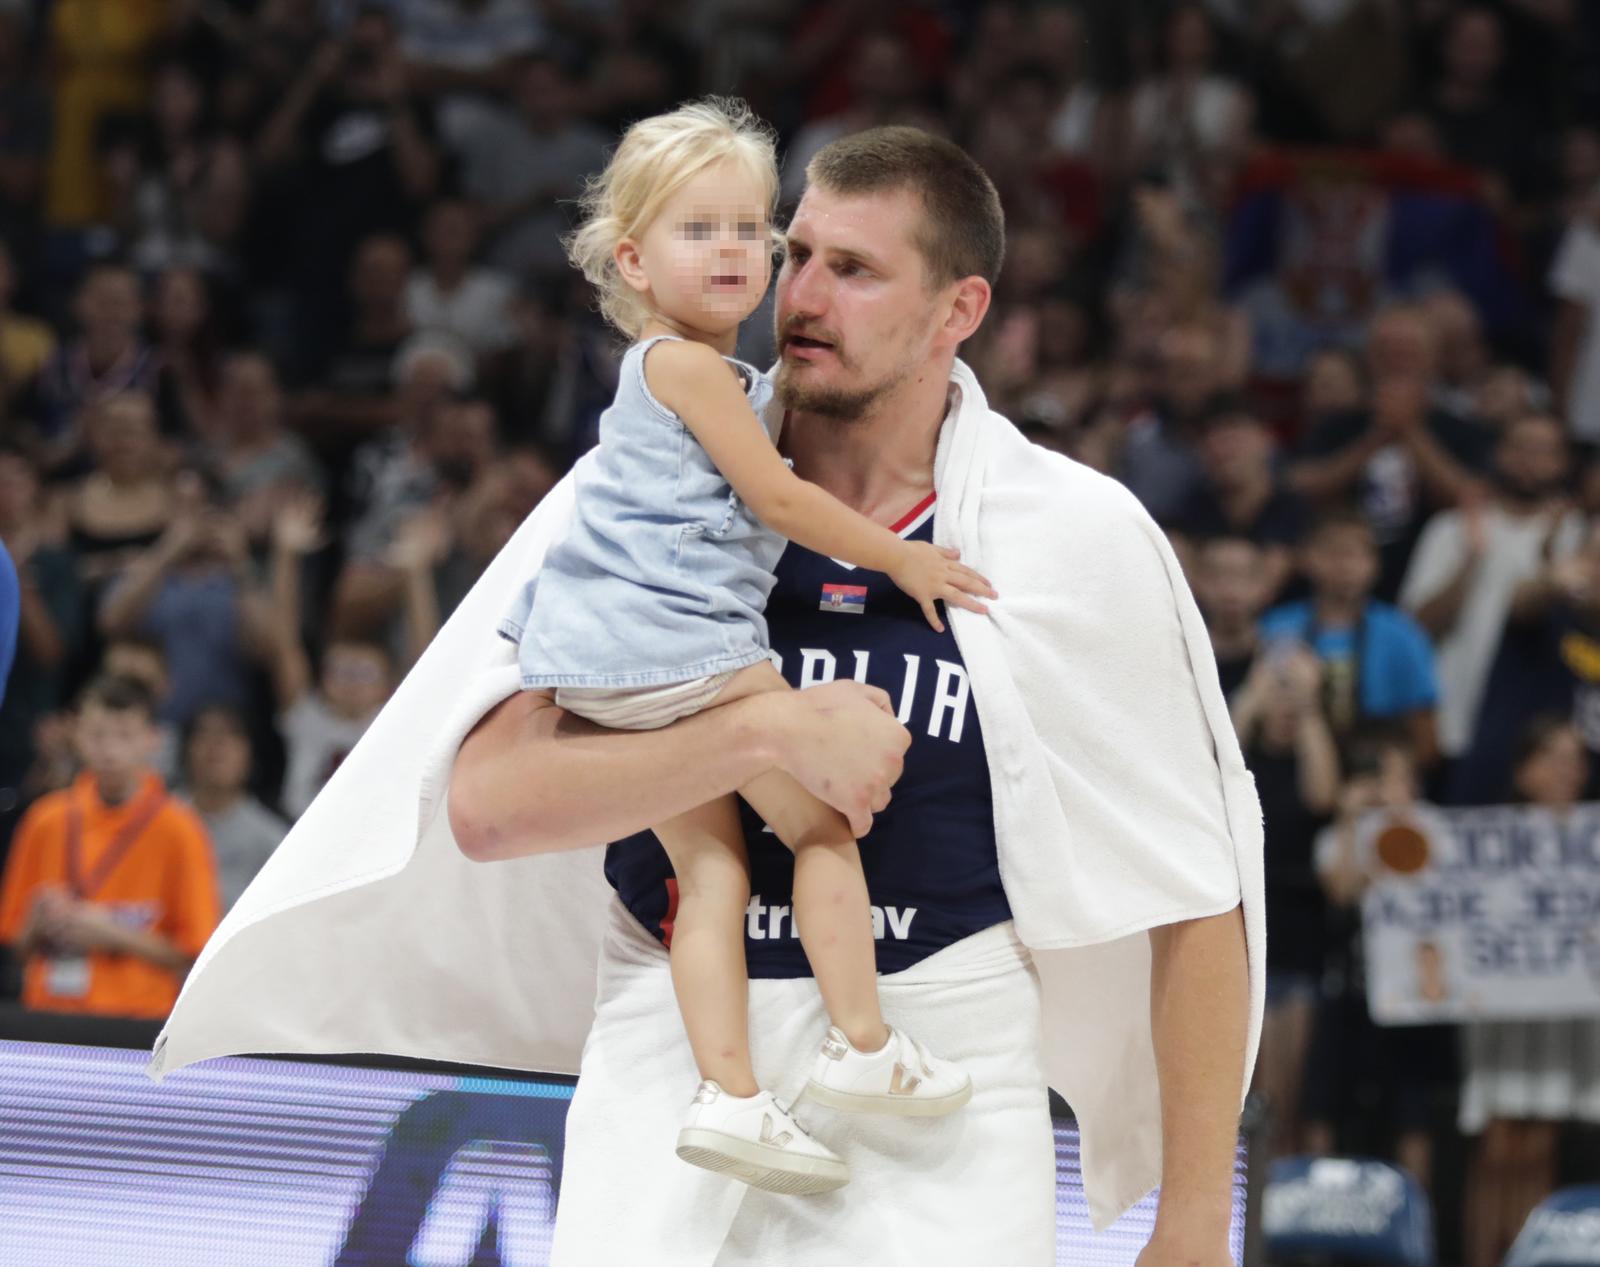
(694, 382)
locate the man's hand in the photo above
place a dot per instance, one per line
(297, 524)
(421, 543)
(34, 935)
(840, 742)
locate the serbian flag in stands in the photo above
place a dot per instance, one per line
(1318, 239)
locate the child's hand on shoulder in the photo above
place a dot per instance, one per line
(929, 572)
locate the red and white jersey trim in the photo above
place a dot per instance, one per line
(906, 524)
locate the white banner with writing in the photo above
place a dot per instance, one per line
(1481, 914)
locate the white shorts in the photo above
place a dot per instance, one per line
(641, 707)
(975, 1187)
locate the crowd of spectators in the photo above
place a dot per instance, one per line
(288, 348)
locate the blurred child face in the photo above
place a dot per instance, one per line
(1555, 775)
(355, 678)
(219, 753)
(705, 261)
(115, 746)
(1342, 563)
(1390, 784)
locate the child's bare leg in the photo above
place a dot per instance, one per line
(831, 908)
(706, 847)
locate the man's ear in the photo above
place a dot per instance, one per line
(629, 265)
(969, 301)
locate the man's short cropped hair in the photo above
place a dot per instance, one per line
(963, 231)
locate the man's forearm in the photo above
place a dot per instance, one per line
(1438, 615)
(533, 778)
(1200, 1013)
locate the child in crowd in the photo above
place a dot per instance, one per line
(218, 758)
(320, 722)
(145, 661)
(651, 609)
(1377, 664)
(110, 890)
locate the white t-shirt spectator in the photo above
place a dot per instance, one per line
(1209, 114)
(243, 837)
(316, 741)
(478, 311)
(1466, 654)
(1575, 276)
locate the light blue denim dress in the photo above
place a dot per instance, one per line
(664, 573)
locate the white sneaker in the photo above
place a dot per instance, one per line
(756, 1139)
(902, 1077)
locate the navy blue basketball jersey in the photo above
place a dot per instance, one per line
(932, 872)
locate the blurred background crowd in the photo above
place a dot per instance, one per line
(288, 348)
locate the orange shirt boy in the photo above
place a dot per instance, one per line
(110, 890)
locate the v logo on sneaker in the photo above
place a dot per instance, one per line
(767, 1137)
(900, 1084)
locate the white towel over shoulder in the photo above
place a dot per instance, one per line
(1121, 803)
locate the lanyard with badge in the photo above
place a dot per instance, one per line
(67, 976)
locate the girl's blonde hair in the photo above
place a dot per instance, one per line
(656, 158)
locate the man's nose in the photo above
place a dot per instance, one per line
(804, 290)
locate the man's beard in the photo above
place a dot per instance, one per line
(833, 403)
